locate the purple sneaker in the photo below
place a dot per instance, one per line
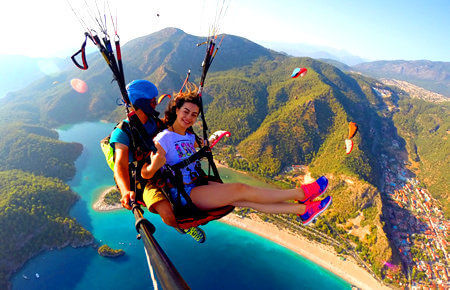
(315, 189)
(313, 209)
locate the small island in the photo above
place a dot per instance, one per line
(108, 200)
(107, 251)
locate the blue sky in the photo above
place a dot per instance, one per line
(374, 30)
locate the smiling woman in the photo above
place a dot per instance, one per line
(176, 147)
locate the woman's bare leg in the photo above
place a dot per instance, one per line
(282, 207)
(216, 194)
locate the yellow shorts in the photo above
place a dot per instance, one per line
(151, 196)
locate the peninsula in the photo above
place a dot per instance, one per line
(109, 200)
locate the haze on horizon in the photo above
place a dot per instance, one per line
(373, 30)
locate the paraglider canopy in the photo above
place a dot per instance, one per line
(161, 98)
(298, 72)
(79, 86)
(348, 146)
(216, 136)
(352, 129)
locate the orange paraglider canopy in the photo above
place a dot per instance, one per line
(352, 129)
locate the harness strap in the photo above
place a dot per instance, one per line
(83, 55)
(203, 152)
(138, 128)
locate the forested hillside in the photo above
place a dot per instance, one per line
(425, 127)
(37, 150)
(34, 201)
(34, 216)
(278, 121)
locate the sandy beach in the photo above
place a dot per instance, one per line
(101, 205)
(320, 254)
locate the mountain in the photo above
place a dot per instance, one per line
(314, 51)
(17, 72)
(338, 64)
(431, 75)
(163, 57)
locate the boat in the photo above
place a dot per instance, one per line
(25, 277)
(37, 276)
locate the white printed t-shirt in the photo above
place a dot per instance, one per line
(178, 147)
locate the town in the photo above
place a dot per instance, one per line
(418, 228)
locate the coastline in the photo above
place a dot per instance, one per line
(101, 205)
(319, 254)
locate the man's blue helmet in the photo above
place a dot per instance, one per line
(140, 92)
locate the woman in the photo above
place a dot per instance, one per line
(176, 144)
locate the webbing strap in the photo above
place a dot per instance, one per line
(203, 152)
(137, 127)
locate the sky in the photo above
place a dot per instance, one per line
(373, 30)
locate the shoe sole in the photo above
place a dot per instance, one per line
(318, 213)
(204, 236)
(181, 231)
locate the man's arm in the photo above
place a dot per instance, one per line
(122, 175)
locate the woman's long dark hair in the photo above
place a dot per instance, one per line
(188, 96)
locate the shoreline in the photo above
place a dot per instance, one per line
(100, 204)
(317, 253)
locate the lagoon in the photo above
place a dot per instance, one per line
(230, 258)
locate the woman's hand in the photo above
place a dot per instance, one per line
(158, 160)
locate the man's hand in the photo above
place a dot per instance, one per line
(126, 198)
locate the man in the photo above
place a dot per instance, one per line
(142, 95)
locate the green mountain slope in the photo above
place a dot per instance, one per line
(278, 121)
(425, 127)
(37, 150)
(34, 216)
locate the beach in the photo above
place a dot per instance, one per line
(101, 205)
(320, 254)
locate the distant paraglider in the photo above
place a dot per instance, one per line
(79, 86)
(216, 136)
(161, 98)
(348, 146)
(352, 129)
(299, 72)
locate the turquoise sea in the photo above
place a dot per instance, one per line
(231, 258)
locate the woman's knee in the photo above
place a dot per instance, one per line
(240, 191)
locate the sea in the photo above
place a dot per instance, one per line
(231, 258)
